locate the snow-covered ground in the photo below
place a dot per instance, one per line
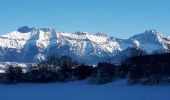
(117, 90)
(5, 65)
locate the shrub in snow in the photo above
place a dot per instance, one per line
(13, 74)
(82, 72)
(41, 74)
(65, 74)
(122, 71)
(104, 73)
(3, 77)
(149, 70)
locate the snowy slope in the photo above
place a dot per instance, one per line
(117, 90)
(34, 45)
(150, 40)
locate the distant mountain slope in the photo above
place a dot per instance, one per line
(34, 45)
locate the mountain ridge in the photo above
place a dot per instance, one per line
(35, 45)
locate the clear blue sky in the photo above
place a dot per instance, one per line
(120, 18)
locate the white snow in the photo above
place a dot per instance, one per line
(137, 44)
(5, 65)
(150, 47)
(15, 39)
(117, 90)
(80, 44)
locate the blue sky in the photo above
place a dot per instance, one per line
(120, 18)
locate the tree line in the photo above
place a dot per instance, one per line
(145, 70)
(58, 69)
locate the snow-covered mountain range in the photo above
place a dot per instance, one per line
(34, 45)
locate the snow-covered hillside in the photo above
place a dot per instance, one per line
(34, 45)
(5, 65)
(117, 90)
